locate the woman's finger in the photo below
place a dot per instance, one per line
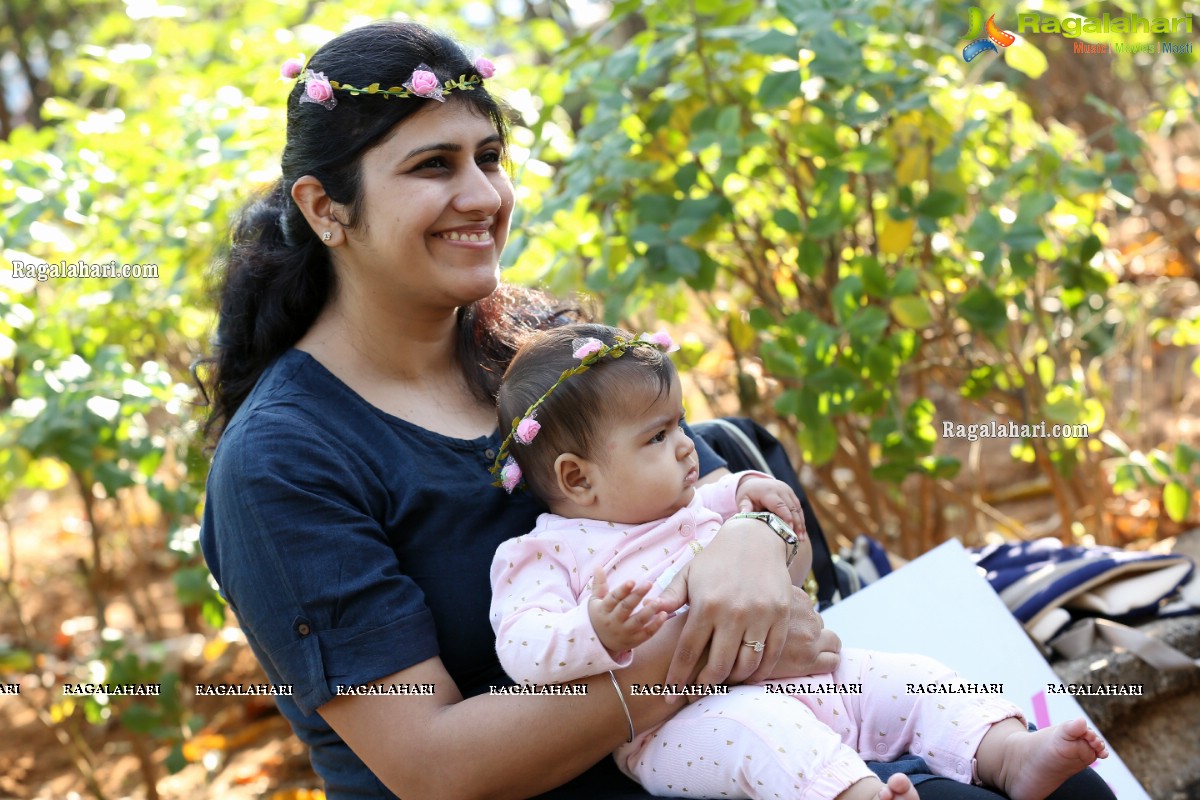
(751, 653)
(676, 593)
(775, 642)
(693, 639)
(725, 652)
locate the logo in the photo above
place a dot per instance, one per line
(984, 37)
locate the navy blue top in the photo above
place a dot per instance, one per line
(352, 544)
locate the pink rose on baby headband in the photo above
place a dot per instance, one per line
(587, 347)
(291, 68)
(484, 68)
(527, 429)
(661, 339)
(510, 475)
(423, 82)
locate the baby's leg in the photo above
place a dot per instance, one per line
(909, 704)
(915, 703)
(750, 744)
(1030, 766)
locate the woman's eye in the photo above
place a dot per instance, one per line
(433, 163)
(490, 157)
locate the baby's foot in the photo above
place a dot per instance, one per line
(1037, 763)
(898, 787)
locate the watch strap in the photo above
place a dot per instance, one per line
(781, 529)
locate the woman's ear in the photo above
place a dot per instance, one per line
(319, 209)
(574, 477)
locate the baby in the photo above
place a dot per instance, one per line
(596, 432)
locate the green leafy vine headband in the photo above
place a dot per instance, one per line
(589, 351)
(422, 83)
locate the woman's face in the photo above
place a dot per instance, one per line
(435, 211)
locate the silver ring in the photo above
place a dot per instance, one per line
(758, 646)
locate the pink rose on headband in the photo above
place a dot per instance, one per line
(661, 339)
(510, 475)
(527, 429)
(291, 68)
(317, 87)
(423, 82)
(587, 347)
(484, 67)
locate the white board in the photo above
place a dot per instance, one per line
(940, 606)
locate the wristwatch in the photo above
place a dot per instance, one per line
(779, 526)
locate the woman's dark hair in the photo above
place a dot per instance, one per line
(574, 414)
(277, 276)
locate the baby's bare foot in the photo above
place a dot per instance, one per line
(898, 787)
(1037, 763)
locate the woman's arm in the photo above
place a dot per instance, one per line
(495, 746)
(796, 644)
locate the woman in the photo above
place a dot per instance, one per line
(350, 518)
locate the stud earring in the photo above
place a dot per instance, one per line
(326, 236)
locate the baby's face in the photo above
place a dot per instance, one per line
(646, 466)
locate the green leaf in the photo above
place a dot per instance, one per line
(939, 203)
(847, 297)
(875, 278)
(811, 261)
(1025, 57)
(905, 282)
(779, 88)
(983, 310)
(911, 311)
(868, 323)
(786, 219)
(1176, 501)
(683, 260)
(774, 43)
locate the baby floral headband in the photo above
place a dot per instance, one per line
(589, 351)
(422, 83)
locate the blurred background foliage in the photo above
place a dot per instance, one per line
(858, 235)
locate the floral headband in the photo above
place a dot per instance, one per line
(589, 351)
(422, 83)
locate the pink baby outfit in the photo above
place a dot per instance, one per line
(758, 741)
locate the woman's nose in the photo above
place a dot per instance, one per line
(477, 193)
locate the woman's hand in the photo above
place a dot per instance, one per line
(810, 649)
(738, 590)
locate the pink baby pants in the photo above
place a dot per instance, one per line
(752, 743)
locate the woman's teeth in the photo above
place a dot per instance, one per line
(455, 236)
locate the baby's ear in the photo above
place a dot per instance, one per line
(573, 474)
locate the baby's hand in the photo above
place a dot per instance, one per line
(768, 494)
(612, 614)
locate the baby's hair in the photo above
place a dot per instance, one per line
(573, 415)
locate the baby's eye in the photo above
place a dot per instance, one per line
(661, 436)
